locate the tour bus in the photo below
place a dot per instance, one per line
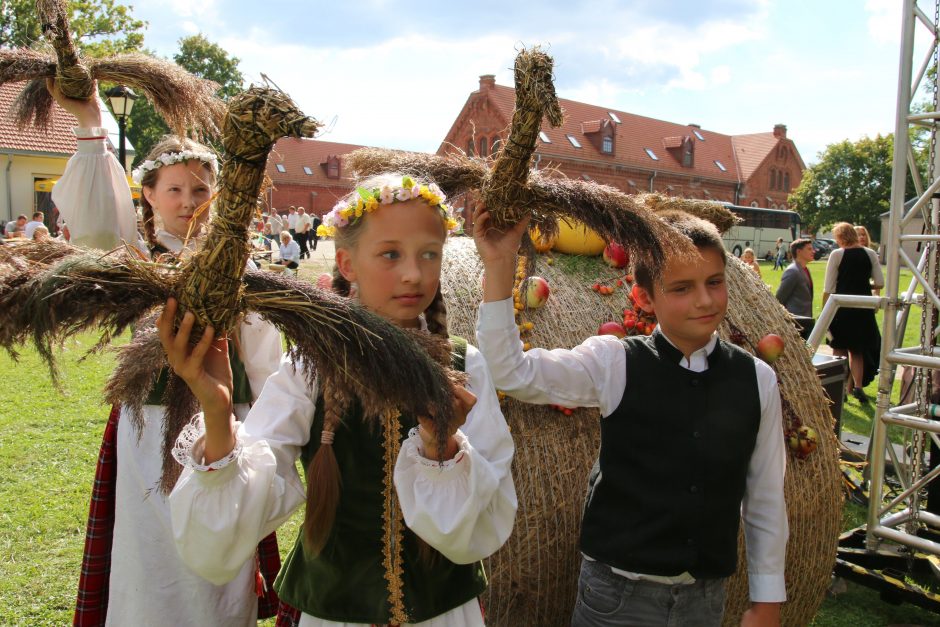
(759, 230)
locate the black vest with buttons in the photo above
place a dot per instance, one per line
(665, 494)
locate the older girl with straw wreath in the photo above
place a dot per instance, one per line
(398, 514)
(131, 573)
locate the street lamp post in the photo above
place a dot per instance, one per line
(121, 99)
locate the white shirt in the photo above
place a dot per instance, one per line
(30, 228)
(594, 374)
(94, 198)
(290, 251)
(465, 511)
(292, 221)
(304, 222)
(149, 583)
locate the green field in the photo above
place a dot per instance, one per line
(48, 447)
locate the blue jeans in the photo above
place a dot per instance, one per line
(606, 599)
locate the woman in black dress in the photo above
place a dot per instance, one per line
(854, 269)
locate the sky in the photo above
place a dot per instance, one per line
(396, 74)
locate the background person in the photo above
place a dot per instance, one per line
(290, 251)
(32, 225)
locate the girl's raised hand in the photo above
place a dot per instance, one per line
(86, 112)
(496, 245)
(204, 367)
(463, 402)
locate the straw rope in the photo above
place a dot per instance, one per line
(535, 574)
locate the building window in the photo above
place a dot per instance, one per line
(573, 140)
(483, 150)
(470, 147)
(308, 171)
(698, 135)
(280, 168)
(786, 181)
(687, 158)
(607, 145)
(773, 179)
(613, 116)
(721, 166)
(652, 155)
(495, 148)
(544, 137)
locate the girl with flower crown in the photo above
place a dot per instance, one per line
(395, 527)
(131, 573)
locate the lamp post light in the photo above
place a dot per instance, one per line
(121, 99)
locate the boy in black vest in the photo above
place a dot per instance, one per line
(691, 440)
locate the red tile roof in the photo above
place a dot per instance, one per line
(753, 149)
(58, 139)
(295, 154)
(634, 135)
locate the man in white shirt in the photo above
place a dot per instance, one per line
(276, 222)
(304, 222)
(38, 220)
(292, 221)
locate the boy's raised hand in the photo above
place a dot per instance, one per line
(204, 367)
(497, 249)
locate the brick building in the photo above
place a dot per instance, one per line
(638, 154)
(308, 173)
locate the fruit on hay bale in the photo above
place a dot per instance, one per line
(770, 347)
(576, 239)
(616, 255)
(612, 328)
(542, 243)
(537, 292)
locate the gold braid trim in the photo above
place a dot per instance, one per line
(394, 521)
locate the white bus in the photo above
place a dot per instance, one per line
(759, 230)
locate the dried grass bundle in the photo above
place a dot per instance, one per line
(186, 103)
(713, 212)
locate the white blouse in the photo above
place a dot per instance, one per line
(465, 510)
(594, 374)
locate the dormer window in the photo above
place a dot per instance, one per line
(607, 145)
(331, 167)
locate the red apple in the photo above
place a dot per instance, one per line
(612, 328)
(325, 281)
(803, 441)
(616, 255)
(537, 291)
(770, 347)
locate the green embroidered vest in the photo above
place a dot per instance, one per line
(241, 388)
(347, 581)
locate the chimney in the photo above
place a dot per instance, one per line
(695, 125)
(487, 81)
(780, 130)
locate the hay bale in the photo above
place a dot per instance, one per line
(533, 578)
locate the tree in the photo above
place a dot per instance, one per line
(207, 60)
(851, 182)
(200, 57)
(99, 27)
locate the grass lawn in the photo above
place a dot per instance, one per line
(48, 447)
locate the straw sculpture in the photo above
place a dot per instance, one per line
(186, 103)
(533, 578)
(510, 190)
(50, 291)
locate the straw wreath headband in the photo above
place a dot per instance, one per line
(365, 201)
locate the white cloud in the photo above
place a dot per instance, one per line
(381, 94)
(189, 27)
(884, 21)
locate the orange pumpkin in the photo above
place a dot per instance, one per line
(542, 244)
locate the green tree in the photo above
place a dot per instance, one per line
(99, 27)
(851, 182)
(201, 58)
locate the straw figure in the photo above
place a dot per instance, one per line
(50, 291)
(511, 190)
(186, 103)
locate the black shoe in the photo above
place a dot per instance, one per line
(860, 396)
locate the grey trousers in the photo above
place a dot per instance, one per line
(606, 599)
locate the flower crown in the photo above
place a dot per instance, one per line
(170, 158)
(347, 212)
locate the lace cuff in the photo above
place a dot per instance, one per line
(190, 447)
(413, 450)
